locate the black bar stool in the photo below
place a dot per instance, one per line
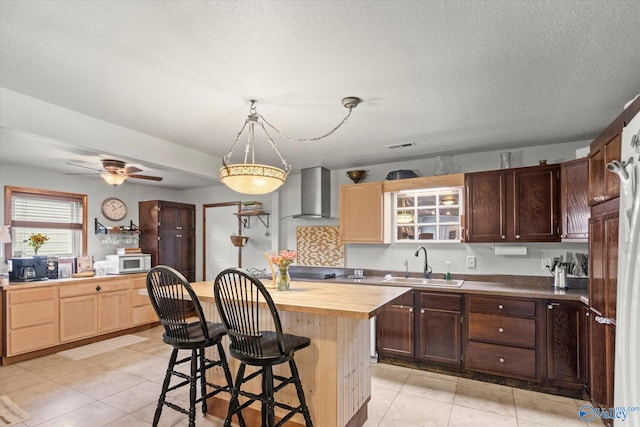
(238, 295)
(186, 328)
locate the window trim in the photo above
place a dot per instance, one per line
(10, 191)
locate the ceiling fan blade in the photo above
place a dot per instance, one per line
(150, 178)
(81, 166)
(130, 169)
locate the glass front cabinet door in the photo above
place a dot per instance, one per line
(428, 215)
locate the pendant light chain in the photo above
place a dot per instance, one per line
(288, 138)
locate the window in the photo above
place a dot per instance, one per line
(428, 215)
(60, 216)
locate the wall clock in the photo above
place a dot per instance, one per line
(114, 209)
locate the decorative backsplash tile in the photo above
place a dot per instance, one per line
(319, 246)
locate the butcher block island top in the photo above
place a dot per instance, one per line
(355, 301)
(335, 369)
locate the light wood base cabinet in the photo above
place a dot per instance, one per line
(143, 312)
(31, 319)
(95, 307)
(43, 318)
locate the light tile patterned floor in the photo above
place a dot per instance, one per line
(120, 388)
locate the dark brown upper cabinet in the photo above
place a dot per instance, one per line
(574, 205)
(513, 205)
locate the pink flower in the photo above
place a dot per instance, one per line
(284, 259)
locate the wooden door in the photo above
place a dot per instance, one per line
(395, 328)
(362, 213)
(486, 206)
(439, 328)
(612, 151)
(574, 203)
(611, 227)
(596, 265)
(535, 208)
(602, 349)
(605, 148)
(185, 254)
(115, 311)
(78, 317)
(566, 345)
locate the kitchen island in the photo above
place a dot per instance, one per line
(334, 370)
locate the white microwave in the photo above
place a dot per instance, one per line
(130, 263)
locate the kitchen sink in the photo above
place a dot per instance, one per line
(417, 281)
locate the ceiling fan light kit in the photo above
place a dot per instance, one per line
(113, 178)
(254, 178)
(116, 172)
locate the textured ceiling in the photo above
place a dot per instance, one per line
(453, 76)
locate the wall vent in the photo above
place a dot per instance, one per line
(401, 145)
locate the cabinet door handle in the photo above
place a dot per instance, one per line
(501, 360)
(422, 311)
(564, 236)
(98, 288)
(604, 320)
(500, 306)
(178, 228)
(551, 305)
(178, 235)
(587, 314)
(503, 237)
(517, 236)
(501, 330)
(410, 309)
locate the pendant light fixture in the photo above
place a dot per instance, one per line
(250, 177)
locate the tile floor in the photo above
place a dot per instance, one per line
(120, 388)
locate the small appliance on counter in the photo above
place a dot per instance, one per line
(28, 269)
(130, 263)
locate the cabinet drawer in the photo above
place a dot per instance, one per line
(437, 301)
(20, 296)
(30, 339)
(88, 288)
(405, 300)
(502, 306)
(140, 297)
(502, 330)
(35, 313)
(501, 360)
(144, 314)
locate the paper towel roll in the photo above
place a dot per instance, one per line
(510, 250)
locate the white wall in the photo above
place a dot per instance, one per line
(286, 203)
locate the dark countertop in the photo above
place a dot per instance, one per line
(500, 285)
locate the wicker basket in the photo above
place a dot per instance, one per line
(239, 241)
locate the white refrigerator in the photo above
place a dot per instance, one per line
(627, 354)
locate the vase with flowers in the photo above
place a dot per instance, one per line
(283, 260)
(36, 241)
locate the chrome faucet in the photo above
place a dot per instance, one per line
(406, 268)
(427, 269)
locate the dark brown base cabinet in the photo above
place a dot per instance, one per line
(525, 342)
(168, 233)
(395, 328)
(505, 337)
(439, 327)
(567, 344)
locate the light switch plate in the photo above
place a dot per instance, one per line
(471, 261)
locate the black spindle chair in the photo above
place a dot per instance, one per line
(239, 298)
(186, 328)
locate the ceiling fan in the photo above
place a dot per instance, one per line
(117, 172)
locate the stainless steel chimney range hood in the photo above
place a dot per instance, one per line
(315, 193)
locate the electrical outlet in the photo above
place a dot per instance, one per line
(471, 261)
(546, 263)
